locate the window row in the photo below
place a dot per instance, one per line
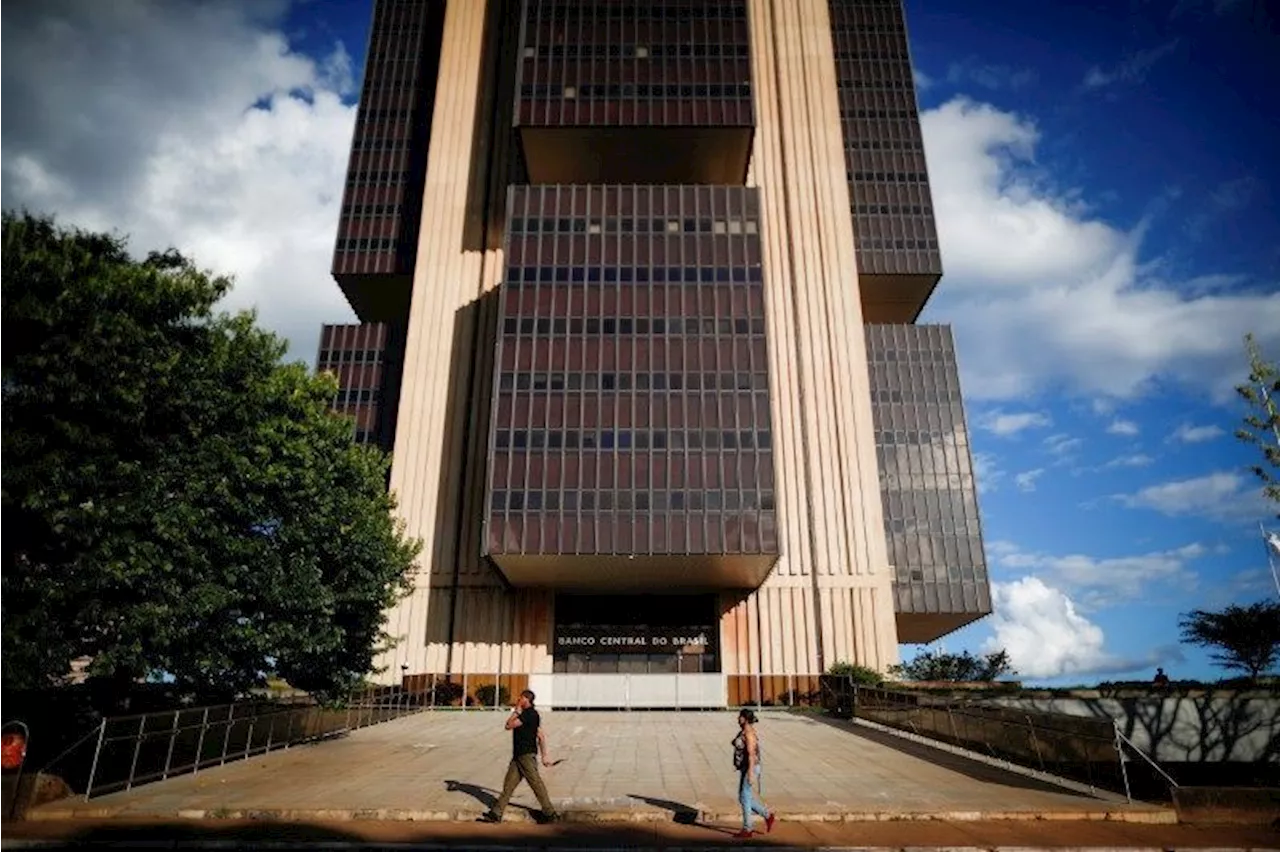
(893, 210)
(883, 145)
(633, 381)
(366, 244)
(633, 439)
(855, 28)
(866, 85)
(882, 114)
(598, 663)
(381, 143)
(639, 274)
(575, 10)
(354, 396)
(844, 53)
(898, 245)
(628, 225)
(350, 356)
(615, 91)
(923, 437)
(370, 115)
(889, 177)
(638, 51)
(628, 501)
(628, 325)
(377, 175)
(371, 211)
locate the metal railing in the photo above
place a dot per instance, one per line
(145, 747)
(1084, 750)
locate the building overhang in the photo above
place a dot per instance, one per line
(636, 573)
(894, 298)
(918, 628)
(637, 155)
(378, 297)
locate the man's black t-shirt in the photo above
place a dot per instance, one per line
(524, 739)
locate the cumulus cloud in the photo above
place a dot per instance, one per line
(1220, 496)
(1126, 428)
(987, 473)
(1062, 445)
(1007, 424)
(1188, 434)
(1044, 634)
(1044, 297)
(191, 125)
(1105, 581)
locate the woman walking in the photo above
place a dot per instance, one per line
(746, 759)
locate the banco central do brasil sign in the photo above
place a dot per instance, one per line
(603, 639)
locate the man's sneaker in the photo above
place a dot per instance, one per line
(768, 822)
(488, 816)
(745, 834)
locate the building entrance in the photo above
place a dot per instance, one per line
(636, 651)
(636, 634)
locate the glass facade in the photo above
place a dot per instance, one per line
(884, 155)
(635, 63)
(631, 409)
(381, 206)
(367, 360)
(926, 478)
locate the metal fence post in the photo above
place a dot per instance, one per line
(226, 735)
(1124, 770)
(173, 736)
(204, 726)
(137, 747)
(97, 752)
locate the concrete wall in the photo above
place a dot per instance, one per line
(1211, 727)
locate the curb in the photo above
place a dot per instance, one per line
(1152, 816)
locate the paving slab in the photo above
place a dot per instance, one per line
(633, 767)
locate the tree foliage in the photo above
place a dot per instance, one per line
(1262, 424)
(860, 674)
(176, 499)
(1245, 638)
(932, 666)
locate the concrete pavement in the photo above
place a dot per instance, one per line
(632, 767)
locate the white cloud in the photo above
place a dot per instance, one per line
(1131, 70)
(1221, 496)
(986, 472)
(1026, 481)
(1106, 581)
(999, 423)
(1131, 460)
(989, 76)
(1062, 445)
(187, 125)
(921, 79)
(1045, 298)
(1042, 631)
(1188, 434)
(1123, 427)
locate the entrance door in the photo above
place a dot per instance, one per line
(636, 651)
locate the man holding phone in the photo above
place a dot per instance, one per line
(527, 740)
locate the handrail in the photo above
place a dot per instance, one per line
(1121, 741)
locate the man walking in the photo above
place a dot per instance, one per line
(527, 740)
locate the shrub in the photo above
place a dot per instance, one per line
(485, 696)
(859, 674)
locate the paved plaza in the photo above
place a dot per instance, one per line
(614, 766)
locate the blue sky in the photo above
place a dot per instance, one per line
(1105, 190)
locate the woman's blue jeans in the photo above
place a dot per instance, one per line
(747, 796)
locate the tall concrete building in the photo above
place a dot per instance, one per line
(638, 282)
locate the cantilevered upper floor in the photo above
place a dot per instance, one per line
(635, 91)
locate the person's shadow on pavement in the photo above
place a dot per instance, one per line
(483, 795)
(680, 812)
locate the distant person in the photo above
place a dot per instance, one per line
(527, 740)
(746, 759)
(1161, 680)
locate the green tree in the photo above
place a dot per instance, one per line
(1262, 424)
(932, 666)
(176, 499)
(860, 674)
(1245, 638)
